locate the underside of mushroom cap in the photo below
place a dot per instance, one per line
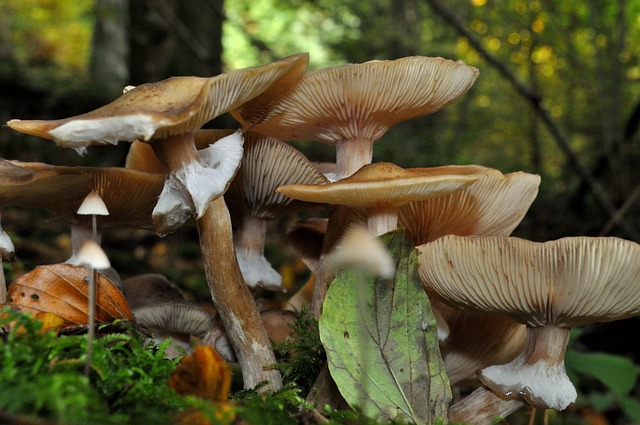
(364, 100)
(158, 110)
(492, 206)
(267, 164)
(567, 282)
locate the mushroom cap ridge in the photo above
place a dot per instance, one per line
(364, 100)
(161, 109)
(568, 282)
(385, 184)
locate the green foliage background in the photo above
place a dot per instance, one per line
(580, 62)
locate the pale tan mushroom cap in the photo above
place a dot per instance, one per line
(364, 100)
(158, 110)
(383, 184)
(567, 282)
(492, 206)
(267, 164)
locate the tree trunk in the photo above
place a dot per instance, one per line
(171, 37)
(110, 48)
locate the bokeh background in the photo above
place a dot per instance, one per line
(558, 95)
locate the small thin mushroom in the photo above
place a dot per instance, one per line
(94, 258)
(550, 287)
(93, 205)
(34, 188)
(351, 106)
(382, 188)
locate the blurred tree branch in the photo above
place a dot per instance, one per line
(535, 99)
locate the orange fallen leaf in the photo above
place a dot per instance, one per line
(62, 290)
(204, 374)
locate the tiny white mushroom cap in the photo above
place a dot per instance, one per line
(93, 205)
(91, 255)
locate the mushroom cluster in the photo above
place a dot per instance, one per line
(521, 296)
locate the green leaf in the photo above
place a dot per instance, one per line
(631, 408)
(381, 341)
(617, 373)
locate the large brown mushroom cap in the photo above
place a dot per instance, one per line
(493, 206)
(40, 186)
(567, 282)
(364, 100)
(384, 184)
(128, 194)
(158, 110)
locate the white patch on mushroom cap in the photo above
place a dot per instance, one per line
(173, 208)
(209, 179)
(546, 386)
(257, 271)
(80, 133)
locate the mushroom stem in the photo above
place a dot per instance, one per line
(249, 239)
(230, 295)
(351, 155)
(381, 220)
(236, 307)
(482, 407)
(336, 226)
(6, 251)
(537, 376)
(91, 330)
